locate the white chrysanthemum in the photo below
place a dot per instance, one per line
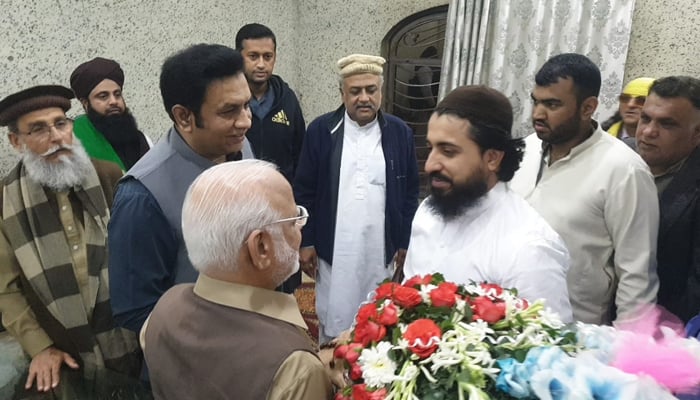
(377, 368)
(550, 318)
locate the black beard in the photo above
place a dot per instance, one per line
(117, 129)
(122, 133)
(457, 201)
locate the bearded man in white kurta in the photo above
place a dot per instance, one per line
(358, 177)
(472, 227)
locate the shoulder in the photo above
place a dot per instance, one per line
(109, 175)
(301, 376)
(322, 122)
(395, 122)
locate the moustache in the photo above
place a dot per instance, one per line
(541, 123)
(439, 177)
(56, 148)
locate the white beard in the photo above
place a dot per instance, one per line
(68, 171)
(287, 261)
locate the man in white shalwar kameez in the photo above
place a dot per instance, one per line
(473, 227)
(357, 176)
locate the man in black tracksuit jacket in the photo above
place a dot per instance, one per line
(277, 135)
(278, 124)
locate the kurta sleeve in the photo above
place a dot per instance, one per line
(301, 377)
(544, 277)
(17, 317)
(632, 218)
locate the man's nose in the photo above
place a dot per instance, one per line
(431, 163)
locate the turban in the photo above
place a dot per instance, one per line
(91, 73)
(35, 98)
(638, 87)
(356, 64)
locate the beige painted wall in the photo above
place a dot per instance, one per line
(43, 41)
(665, 39)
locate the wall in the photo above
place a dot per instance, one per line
(44, 40)
(665, 39)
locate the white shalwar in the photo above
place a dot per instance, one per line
(500, 240)
(359, 262)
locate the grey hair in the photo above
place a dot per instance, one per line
(221, 208)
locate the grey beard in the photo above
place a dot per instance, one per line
(68, 171)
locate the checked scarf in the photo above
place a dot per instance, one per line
(36, 235)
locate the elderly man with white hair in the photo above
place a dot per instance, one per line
(241, 228)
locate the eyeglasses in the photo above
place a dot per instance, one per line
(638, 100)
(41, 131)
(299, 220)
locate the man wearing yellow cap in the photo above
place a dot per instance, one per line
(358, 177)
(623, 124)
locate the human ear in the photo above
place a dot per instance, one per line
(15, 141)
(588, 107)
(493, 159)
(260, 249)
(184, 118)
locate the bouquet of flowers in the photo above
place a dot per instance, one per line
(433, 339)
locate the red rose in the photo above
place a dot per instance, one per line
(445, 295)
(389, 315)
(368, 332)
(366, 312)
(379, 394)
(353, 352)
(418, 280)
(341, 396)
(407, 297)
(360, 392)
(385, 290)
(492, 289)
(355, 372)
(340, 351)
(421, 335)
(489, 310)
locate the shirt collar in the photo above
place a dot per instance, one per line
(581, 147)
(280, 306)
(354, 125)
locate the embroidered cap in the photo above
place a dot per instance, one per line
(35, 98)
(355, 64)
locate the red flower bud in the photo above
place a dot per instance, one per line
(353, 353)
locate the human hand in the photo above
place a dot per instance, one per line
(398, 261)
(308, 261)
(45, 368)
(334, 367)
